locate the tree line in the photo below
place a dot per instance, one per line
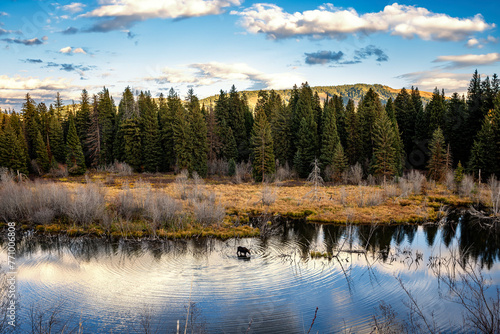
(170, 133)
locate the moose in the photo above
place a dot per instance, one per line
(242, 252)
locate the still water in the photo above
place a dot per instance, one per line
(127, 286)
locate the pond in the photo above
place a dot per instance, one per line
(144, 286)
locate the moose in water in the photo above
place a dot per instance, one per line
(243, 251)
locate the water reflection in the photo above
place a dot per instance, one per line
(112, 285)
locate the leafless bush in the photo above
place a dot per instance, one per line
(283, 173)
(36, 168)
(467, 186)
(268, 195)
(360, 198)
(160, 208)
(43, 216)
(59, 171)
(356, 174)
(196, 188)
(494, 190)
(182, 184)
(374, 198)
(88, 204)
(416, 179)
(243, 172)
(127, 205)
(391, 190)
(123, 169)
(449, 181)
(343, 196)
(218, 166)
(208, 211)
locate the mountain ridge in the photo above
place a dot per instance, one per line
(353, 91)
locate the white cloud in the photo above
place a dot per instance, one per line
(74, 7)
(66, 50)
(428, 80)
(330, 22)
(469, 60)
(122, 14)
(473, 42)
(480, 43)
(29, 83)
(79, 50)
(205, 74)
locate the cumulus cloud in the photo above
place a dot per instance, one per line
(371, 50)
(204, 74)
(70, 31)
(331, 22)
(4, 14)
(123, 14)
(480, 43)
(469, 60)
(428, 80)
(30, 83)
(65, 50)
(27, 42)
(323, 57)
(69, 50)
(4, 32)
(74, 7)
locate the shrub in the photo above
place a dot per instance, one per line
(494, 190)
(466, 186)
(268, 195)
(356, 174)
(208, 212)
(88, 204)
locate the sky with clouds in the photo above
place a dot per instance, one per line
(48, 46)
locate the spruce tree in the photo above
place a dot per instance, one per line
(94, 136)
(74, 158)
(150, 132)
(107, 120)
(132, 143)
(14, 154)
(56, 140)
(82, 120)
(369, 110)
(481, 154)
(183, 140)
(42, 157)
(31, 125)
(339, 162)
(437, 162)
(306, 147)
(384, 161)
(353, 133)
(405, 114)
(435, 111)
(329, 136)
(213, 141)
(199, 133)
(263, 151)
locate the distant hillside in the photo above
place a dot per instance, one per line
(347, 92)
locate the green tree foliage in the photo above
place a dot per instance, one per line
(455, 122)
(263, 150)
(369, 111)
(281, 130)
(339, 163)
(435, 111)
(82, 118)
(384, 162)
(56, 143)
(306, 146)
(182, 137)
(150, 132)
(13, 152)
(437, 165)
(482, 149)
(329, 136)
(404, 111)
(94, 136)
(213, 141)
(75, 158)
(354, 144)
(127, 110)
(132, 143)
(42, 157)
(107, 122)
(31, 125)
(199, 135)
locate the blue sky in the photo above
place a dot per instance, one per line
(65, 46)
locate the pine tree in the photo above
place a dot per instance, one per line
(437, 162)
(384, 161)
(199, 132)
(339, 162)
(31, 125)
(340, 116)
(94, 137)
(75, 158)
(213, 140)
(132, 143)
(435, 111)
(455, 122)
(263, 150)
(42, 157)
(329, 136)
(82, 120)
(405, 114)
(354, 144)
(56, 140)
(282, 135)
(183, 144)
(107, 120)
(14, 154)
(481, 154)
(306, 147)
(369, 110)
(127, 110)
(150, 132)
